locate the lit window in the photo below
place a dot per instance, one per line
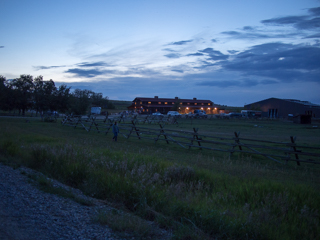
(201, 103)
(172, 103)
(188, 103)
(165, 102)
(140, 102)
(135, 103)
(208, 104)
(159, 102)
(195, 103)
(149, 102)
(181, 103)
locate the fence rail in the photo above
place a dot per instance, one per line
(281, 152)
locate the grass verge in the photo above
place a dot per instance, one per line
(196, 195)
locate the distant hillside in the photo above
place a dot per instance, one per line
(121, 105)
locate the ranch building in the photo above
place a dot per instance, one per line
(283, 108)
(164, 105)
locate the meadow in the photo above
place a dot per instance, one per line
(195, 194)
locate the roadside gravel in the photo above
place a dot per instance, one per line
(28, 213)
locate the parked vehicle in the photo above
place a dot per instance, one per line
(157, 114)
(250, 113)
(189, 115)
(234, 115)
(200, 113)
(173, 113)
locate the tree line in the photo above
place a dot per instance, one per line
(28, 93)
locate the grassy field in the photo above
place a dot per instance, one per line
(196, 194)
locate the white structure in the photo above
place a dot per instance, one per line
(96, 110)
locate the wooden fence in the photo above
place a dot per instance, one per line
(281, 152)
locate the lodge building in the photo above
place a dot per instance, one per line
(164, 105)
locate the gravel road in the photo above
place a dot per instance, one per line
(28, 213)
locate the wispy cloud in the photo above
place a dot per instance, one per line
(37, 68)
(181, 42)
(173, 55)
(92, 64)
(310, 22)
(86, 73)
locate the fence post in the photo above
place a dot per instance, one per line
(196, 137)
(137, 130)
(163, 133)
(93, 119)
(237, 142)
(293, 139)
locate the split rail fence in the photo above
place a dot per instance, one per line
(281, 152)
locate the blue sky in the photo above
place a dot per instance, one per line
(230, 52)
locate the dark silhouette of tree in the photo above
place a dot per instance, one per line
(23, 91)
(97, 100)
(80, 101)
(62, 98)
(7, 98)
(44, 95)
(4, 93)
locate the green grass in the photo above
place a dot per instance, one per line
(196, 194)
(46, 185)
(126, 223)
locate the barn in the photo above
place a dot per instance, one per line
(282, 108)
(164, 105)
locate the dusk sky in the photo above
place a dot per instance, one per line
(230, 52)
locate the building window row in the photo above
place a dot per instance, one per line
(172, 103)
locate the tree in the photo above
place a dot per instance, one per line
(80, 101)
(62, 98)
(49, 91)
(38, 93)
(23, 89)
(4, 93)
(97, 100)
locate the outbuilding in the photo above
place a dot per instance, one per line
(282, 108)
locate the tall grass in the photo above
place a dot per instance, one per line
(211, 198)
